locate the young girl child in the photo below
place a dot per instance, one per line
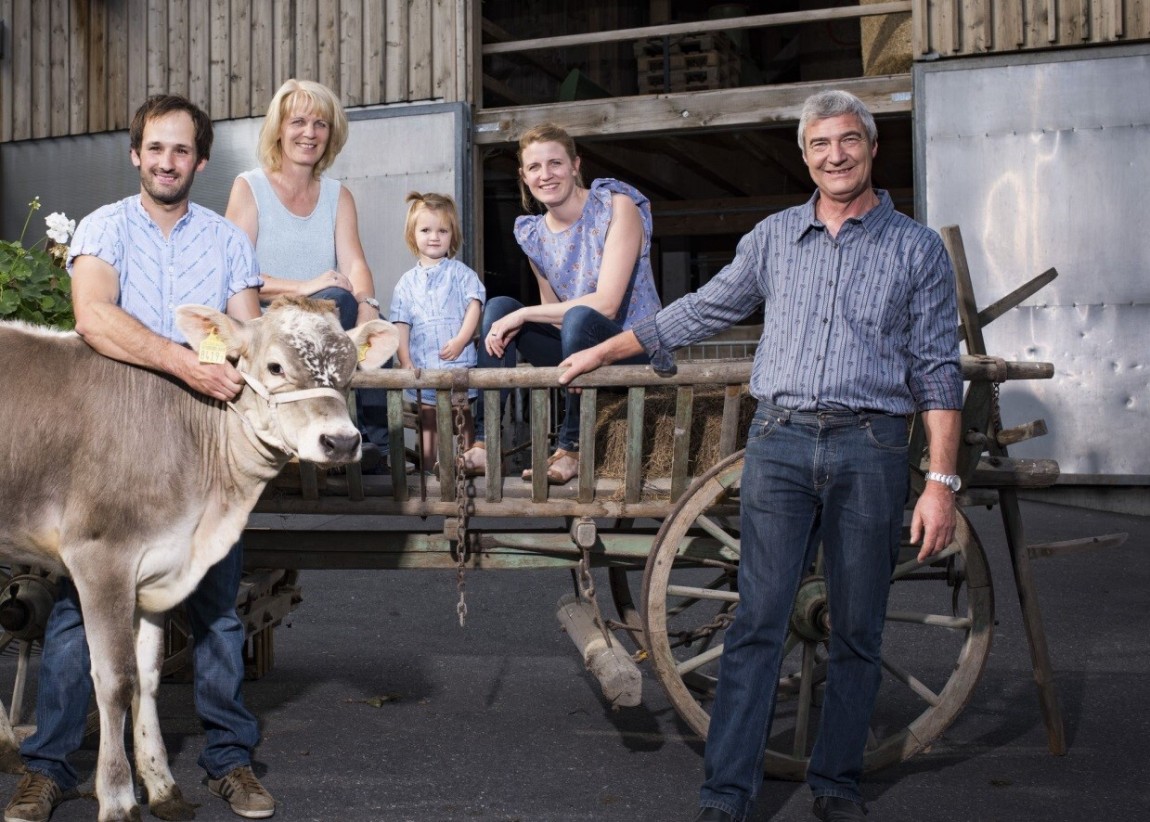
(436, 307)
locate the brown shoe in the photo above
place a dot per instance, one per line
(36, 796)
(243, 793)
(562, 467)
(475, 460)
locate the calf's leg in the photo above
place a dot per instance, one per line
(108, 606)
(165, 801)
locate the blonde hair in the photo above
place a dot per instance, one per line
(307, 96)
(545, 133)
(440, 204)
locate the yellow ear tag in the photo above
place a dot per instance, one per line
(363, 352)
(212, 349)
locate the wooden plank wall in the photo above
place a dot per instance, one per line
(950, 28)
(83, 66)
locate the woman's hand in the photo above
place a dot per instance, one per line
(502, 332)
(329, 279)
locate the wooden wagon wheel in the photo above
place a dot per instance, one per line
(936, 640)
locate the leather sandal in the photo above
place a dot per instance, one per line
(562, 467)
(475, 460)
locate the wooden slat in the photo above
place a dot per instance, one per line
(118, 113)
(729, 429)
(283, 46)
(540, 422)
(199, 54)
(178, 47)
(978, 33)
(1073, 25)
(7, 87)
(240, 64)
(219, 83)
(374, 32)
(1009, 32)
(306, 40)
(396, 444)
(79, 25)
(155, 55)
(588, 412)
(493, 439)
(681, 456)
(633, 459)
(329, 46)
(350, 46)
(41, 70)
(445, 444)
(58, 103)
(443, 47)
(420, 43)
(395, 55)
(96, 84)
(262, 62)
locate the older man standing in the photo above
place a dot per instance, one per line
(859, 333)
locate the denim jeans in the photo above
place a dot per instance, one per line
(65, 681)
(838, 478)
(541, 344)
(371, 403)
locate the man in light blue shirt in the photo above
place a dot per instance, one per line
(132, 262)
(859, 332)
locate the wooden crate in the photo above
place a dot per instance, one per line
(689, 79)
(715, 41)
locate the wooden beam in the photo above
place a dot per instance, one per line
(699, 26)
(723, 108)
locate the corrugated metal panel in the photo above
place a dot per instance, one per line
(1042, 163)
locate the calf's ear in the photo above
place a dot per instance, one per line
(198, 322)
(376, 342)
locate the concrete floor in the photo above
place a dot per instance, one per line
(381, 707)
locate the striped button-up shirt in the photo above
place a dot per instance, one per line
(205, 260)
(866, 320)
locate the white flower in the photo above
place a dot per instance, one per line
(60, 228)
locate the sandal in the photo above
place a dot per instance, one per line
(475, 460)
(562, 467)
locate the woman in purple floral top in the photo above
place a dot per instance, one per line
(590, 250)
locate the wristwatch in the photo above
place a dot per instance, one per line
(951, 481)
(372, 301)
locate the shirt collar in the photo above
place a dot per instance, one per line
(872, 222)
(138, 200)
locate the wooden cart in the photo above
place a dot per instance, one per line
(669, 543)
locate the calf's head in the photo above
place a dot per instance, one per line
(298, 364)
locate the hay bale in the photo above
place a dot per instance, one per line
(659, 431)
(886, 43)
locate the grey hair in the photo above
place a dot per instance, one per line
(835, 103)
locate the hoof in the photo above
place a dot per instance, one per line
(173, 808)
(130, 815)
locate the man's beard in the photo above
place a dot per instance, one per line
(167, 196)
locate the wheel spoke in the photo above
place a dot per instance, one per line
(729, 542)
(940, 620)
(912, 682)
(695, 594)
(699, 660)
(806, 696)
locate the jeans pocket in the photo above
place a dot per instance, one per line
(890, 434)
(761, 428)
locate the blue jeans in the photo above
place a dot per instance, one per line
(371, 403)
(65, 682)
(837, 477)
(542, 344)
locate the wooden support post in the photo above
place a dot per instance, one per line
(618, 675)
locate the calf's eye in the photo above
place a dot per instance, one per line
(275, 369)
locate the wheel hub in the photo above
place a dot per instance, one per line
(811, 618)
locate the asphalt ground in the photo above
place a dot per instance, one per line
(381, 707)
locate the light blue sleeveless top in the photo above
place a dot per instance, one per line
(289, 246)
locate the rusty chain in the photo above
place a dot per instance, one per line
(587, 591)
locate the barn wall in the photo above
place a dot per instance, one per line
(949, 28)
(83, 66)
